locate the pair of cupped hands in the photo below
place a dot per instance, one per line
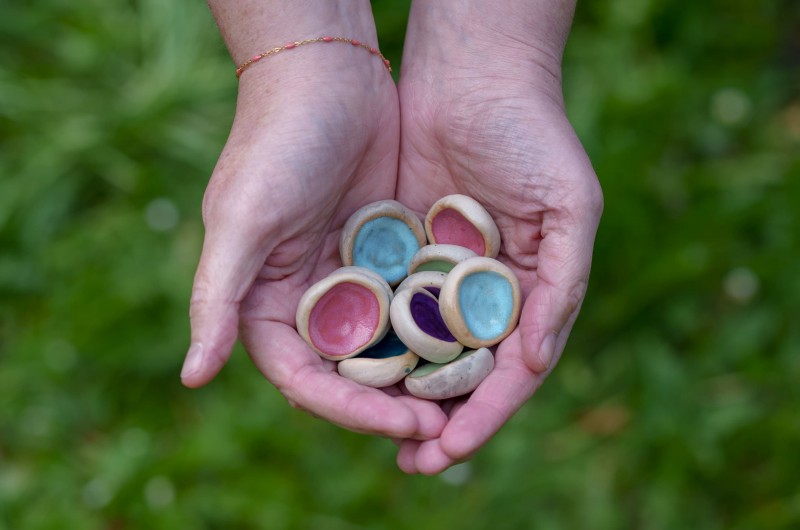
(319, 134)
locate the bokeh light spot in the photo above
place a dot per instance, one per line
(161, 215)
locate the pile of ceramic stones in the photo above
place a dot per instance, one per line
(449, 295)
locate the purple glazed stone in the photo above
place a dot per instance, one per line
(416, 319)
(434, 291)
(425, 311)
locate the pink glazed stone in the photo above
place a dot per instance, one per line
(452, 228)
(344, 319)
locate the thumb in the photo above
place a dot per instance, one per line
(229, 263)
(553, 304)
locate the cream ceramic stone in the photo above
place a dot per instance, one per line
(456, 378)
(480, 302)
(439, 258)
(430, 280)
(382, 236)
(344, 314)
(416, 320)
(382, 365)
(461, 220)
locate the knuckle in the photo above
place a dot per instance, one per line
(574, 297)
(199, 296)
(591, 199)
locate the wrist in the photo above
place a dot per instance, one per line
(254, 26)
(510, 41)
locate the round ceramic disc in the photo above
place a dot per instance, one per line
(344, 314)
(438, 258)
(366, 272)
(480, 302)
(461, 220)
(382, 236)
(456, 378)
(382, 365)
(416, 320)
(431, 281)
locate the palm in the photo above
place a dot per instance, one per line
(519, 157)
(288, 179)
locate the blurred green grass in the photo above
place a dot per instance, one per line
(676, 404)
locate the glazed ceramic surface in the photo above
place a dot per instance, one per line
(461, 220)
(344, 314)
(382, 365)
(382, 236)
(438, 258)
(480, 302)
(416, 320)
(456, 378)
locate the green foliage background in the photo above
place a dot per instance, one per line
(677, 404)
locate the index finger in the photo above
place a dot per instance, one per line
(492, 404)
(309, 382)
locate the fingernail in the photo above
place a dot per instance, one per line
(547, 350)
(194, 359)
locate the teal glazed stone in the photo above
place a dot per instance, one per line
(480, 302)
(486, 301)
(383, 237)
(386, 246)
(390, 346)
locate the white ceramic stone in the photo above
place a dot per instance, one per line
(461, 220)
(424, 279)
(415, 318)
(480, 302)
(456, 378)
(383, 365)
(344, 314)
(382, 236)
(439, 258)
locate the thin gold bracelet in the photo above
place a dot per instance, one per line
(292, 45)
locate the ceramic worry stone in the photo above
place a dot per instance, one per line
(461, 220)
(382, 365)
(365, 272)
(480, 302)
(431, 281)
(344, 314)
(456, 378)
(439, 258)
(416, 320)
(382, 236)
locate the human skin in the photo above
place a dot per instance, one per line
(315, 137)
(482, 114)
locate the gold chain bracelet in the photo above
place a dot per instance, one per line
(292, 45)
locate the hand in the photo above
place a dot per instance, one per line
(496, 130)
(315, 137)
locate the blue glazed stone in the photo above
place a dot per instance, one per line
(486, 302)
(386, 246)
